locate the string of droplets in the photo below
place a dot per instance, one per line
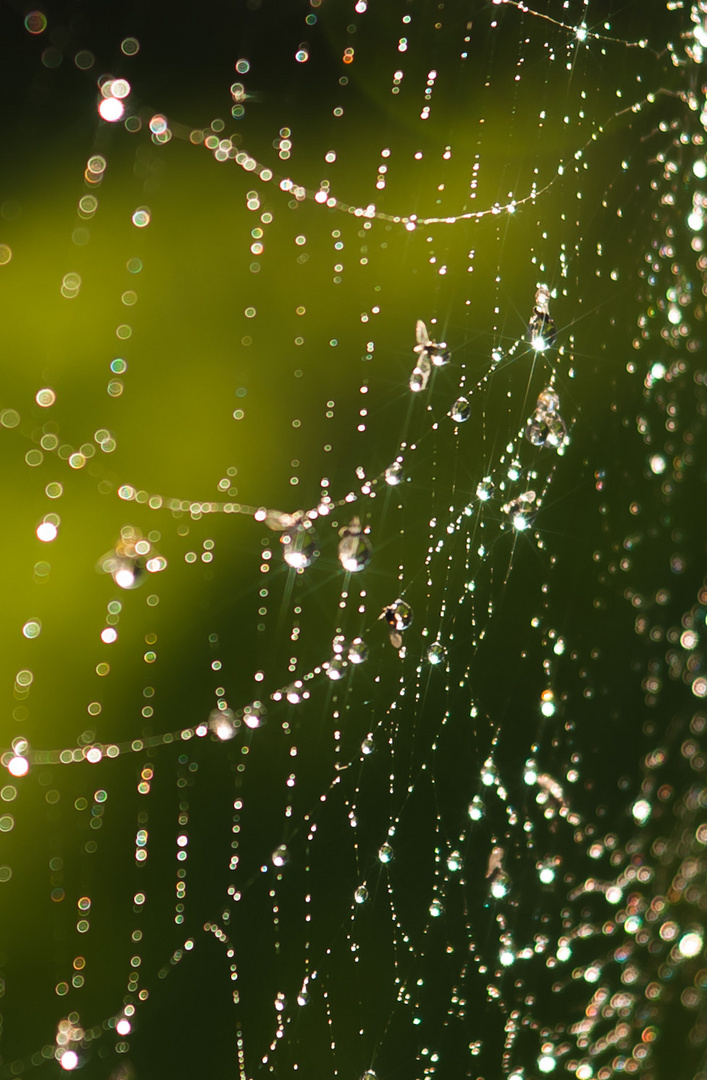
(134, 555)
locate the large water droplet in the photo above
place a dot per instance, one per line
(394, 474)
(358, 651)
(299, 546)
(460, 411)
(361, 894)
(335, 669)
(280, 856)
(436, 653)
(385, 853)
(454, 861)
(354, 547)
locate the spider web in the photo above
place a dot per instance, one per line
(253, 837)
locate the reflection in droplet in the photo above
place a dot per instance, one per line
(354, 547)
(358, 651)
(385, 853)
(398, 616)
(335, 669)
(436, 653)
(454, 861)
(541, 327)
(436, 909)
(299, 546)
(222, 723)
(394, 474)
(280, 856)
(361, 894)
(460, 411)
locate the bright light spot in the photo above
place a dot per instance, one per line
(632, 924)
(120, 88)
(547, 875)
(690, 944)
(658, 464)
(520, 522)
(109, 635)
(506, 958)
(695, 222)
(539, 343)
(46, 531)
(564, 952)
(499, 889)
(584, 1072)
(700, 169)
(674, 315)
(614, 894)
(224, 729)
(123, 1027)
(125, 578)
(251, 720)
(94, 755)
(546, 1063)
(641, 811)
(581, 33)
(592, 974)
(18, 766)
(111, 109)
(69, 1060)
(296, 559)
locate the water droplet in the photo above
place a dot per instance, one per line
(398, 615)
(367, 746)
(358, 651)
(454, 861)
(420, 375)
(394, 474)
(476, 808)
(485, 489)
(335, 669)
(299, 546)
(354, 547)
(385, 853)
(460, 411)
(280, 856)
(541, 327)
(436, 909)
(361, 894)
(436, 653)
